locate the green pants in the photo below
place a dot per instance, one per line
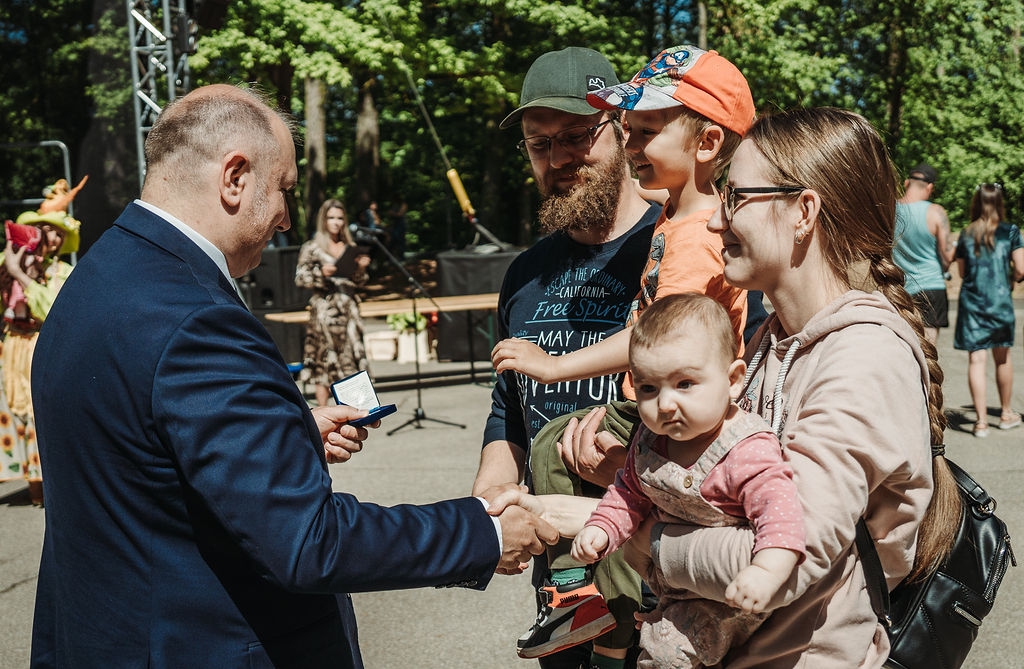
(614, 579)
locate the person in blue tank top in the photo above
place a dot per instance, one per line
(923, 249)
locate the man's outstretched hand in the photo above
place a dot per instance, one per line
(523, 533)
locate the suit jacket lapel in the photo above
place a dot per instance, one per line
(144, 223)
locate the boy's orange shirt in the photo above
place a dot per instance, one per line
(686, 257)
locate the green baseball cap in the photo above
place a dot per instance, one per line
(561, 80)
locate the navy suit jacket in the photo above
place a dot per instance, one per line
(189, 514)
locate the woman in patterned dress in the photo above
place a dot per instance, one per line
(40, 276)
(334, 335)
(988, 252)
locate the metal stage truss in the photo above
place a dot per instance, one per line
(162, 36)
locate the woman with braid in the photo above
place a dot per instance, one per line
(845, 376)
(843, 372)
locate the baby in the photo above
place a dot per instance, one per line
(698, 459)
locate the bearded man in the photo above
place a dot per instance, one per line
(571, 289)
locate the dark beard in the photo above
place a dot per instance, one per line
(589, 205)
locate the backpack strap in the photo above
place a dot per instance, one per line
(981, 499)
(878, 591)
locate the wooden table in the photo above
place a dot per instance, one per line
(487, 302)
(480, 302)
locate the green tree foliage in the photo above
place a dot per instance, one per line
(941, 79)
(43, 48)
(962, 108)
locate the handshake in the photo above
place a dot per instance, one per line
(524, 531)
(531, 523)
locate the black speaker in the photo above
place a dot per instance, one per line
(467, 273)
(271, 286)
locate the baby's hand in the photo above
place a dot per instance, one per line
(751, 590)
(589, 544)
(640, 617)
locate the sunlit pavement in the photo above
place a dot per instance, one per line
(427, 461)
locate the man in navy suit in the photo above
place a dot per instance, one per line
(190, 518)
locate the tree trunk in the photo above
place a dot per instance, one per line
(315, 151)
(281, 77)
(367, 158)
(897, 64)
(490, 205)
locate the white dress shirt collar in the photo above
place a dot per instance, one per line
(202, 242)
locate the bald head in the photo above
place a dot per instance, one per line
(205, 124)
(220, 160)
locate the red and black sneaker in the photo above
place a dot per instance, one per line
(572, 614)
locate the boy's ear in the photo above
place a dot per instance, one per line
(710, 143)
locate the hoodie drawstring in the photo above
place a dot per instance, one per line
(779, 380)
(756, 360)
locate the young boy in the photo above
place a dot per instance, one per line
(686, 112)
(698, 459)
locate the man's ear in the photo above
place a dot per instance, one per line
(235, 173)
(710, 143)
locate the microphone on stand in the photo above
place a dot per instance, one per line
(362, 229)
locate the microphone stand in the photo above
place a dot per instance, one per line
(418, 413)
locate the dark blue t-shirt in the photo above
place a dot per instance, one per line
(563, 296)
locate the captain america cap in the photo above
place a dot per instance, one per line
(686, 76)
(561, 80)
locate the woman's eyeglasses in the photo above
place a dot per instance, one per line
(729, 196)
(576, 139)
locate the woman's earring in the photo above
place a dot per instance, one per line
(799, 238)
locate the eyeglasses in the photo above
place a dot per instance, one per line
(576, 139)
(729, 195)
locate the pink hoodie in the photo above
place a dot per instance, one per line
(852, 387)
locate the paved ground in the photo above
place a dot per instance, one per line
(455, 629)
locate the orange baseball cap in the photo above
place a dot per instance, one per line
(685, 76)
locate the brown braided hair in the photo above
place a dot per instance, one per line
(839, 155)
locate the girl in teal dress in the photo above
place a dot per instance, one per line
(990, 251)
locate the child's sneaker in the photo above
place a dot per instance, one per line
(572, 614)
